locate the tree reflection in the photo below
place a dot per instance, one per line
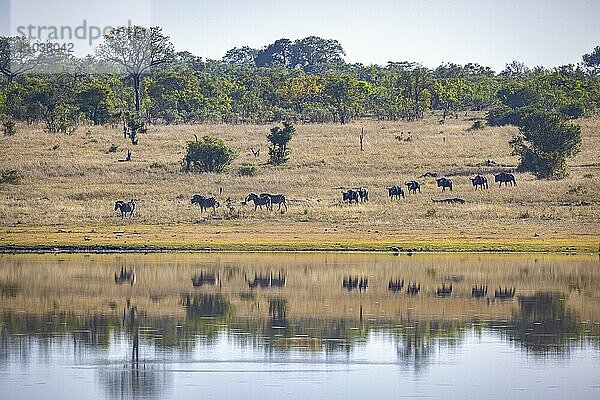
(544, 324)
(133, 382)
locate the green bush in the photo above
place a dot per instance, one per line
(477, 125)
(10, 176)
(8, 126)
(247, 170)
(279, 138)
(208, 155)
(544, 143)
(113, 148)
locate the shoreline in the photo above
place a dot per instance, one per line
(206, 238)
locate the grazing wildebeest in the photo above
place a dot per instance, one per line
(479, 291)
(444, 183)
(350, 195)
(259, 201)
(505, 177)
(413, 186)
(125, 276)
(444, 291)
(363, 194)
(395, 191)
(480, 181)
(125, 208)
(205, 202)
(276, 199)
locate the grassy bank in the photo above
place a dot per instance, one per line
(70, 182)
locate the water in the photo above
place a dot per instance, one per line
(67, 329)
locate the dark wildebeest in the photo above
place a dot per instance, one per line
(125, 208)
(350, 195)
(505, 177)
(480, 181)
(363, 194)
(395, 191)
(413, 186)
(454, 200)
(259, 201)
(276, 199)
(125, 276)
(205, 202)
(444, 183)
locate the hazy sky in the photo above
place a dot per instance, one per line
(492, 33)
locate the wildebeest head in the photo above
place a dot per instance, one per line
(197, 198)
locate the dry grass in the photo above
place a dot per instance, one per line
(75, 184)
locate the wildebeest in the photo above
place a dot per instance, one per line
(125, 208)
(444, 183)
(454, 200)
(506, 178)
(276, 199)
(205, 202)
(413, 186)
(125, 276)
(350, 195)
(350, 283)
(363, 194)
(480, 181)
(395, 191)
(267, 281)
(259, 201)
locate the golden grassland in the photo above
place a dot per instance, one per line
(70, 184)
(84, 284)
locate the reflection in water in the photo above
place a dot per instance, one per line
(69, 311)
(543, 324)
(135, 382)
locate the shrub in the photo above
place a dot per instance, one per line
(247, 170)
(10, 176)
(544, 143)
(8, 126)
(208, 155)
(279, 138)
(477, 125)
(113, 148)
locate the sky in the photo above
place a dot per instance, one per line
(432, 32)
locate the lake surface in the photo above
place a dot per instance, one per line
(297, 326)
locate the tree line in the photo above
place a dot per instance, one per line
(136, 78)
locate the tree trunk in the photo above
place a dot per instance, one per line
(136, 88)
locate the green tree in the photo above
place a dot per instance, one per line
(545, 142)
(137, 50)
(208, 155)
(279, 138)
(17, 56)
(592, 60)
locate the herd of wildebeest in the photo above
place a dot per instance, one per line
(355, 195)
(349, 283)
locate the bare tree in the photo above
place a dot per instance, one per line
(17, 56)
(136, 49)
